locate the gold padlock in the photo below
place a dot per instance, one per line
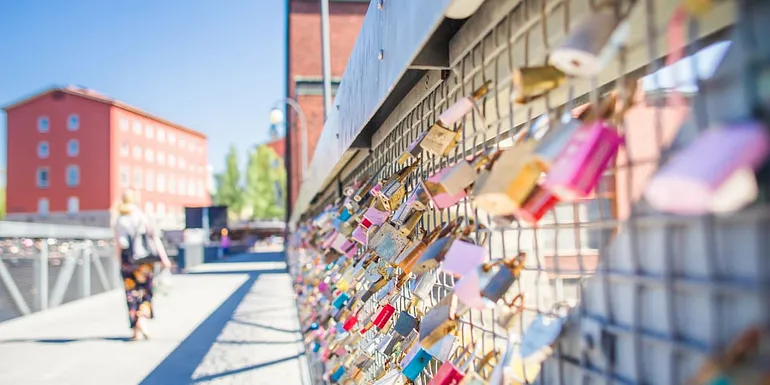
(441, 138)
(530, 83)
(510, 181)
(463, 173)
(394, 190)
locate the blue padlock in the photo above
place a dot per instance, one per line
(344, 215)
(341, 300)
(415, 362)
(316, 347)
(338, 374)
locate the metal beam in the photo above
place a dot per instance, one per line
(13, 290)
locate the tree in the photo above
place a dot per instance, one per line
(265, 184)
(229, 191)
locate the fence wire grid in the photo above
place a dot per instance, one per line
(653, 295)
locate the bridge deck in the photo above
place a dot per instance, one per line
(232, 322)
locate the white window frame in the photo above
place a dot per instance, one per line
(172, 184)
(171, 138)
(124, 177)
(43, 154)
(73, 205)
(149, 155)
(39, 181)
(138, 178)
(71, 153)
(43, 207)
(68, 173)
(181, 186)
(149, 183)
(43, 124)
(160, 209)
(73, 126)
(149, 208)
(137, 152)
(125, 149)
(161, 157)
(161, 135)
(161, 183)
(171, 160)
(124, 125)
(136, 126)
(149, 131)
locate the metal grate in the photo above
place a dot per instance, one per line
(655, 294)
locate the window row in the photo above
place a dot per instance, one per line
(44, 149)
(72, 176)
(149, 181)
(73, 205)
(159, 134)
(44, 123)
(150, 156)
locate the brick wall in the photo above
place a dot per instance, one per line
(305, 60)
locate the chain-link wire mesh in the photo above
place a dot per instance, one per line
(654, 295)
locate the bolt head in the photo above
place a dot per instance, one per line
(381, 54)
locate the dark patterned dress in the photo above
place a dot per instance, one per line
(137, 280)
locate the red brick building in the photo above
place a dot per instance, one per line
(72, 151)
(305, 68)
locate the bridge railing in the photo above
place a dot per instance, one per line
(45, 265)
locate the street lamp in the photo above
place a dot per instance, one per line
(277, 117)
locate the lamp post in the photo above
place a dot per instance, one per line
(277, 117)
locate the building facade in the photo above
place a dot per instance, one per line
(72, 152)
(304, 81)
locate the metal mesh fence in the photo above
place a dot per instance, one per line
(651, 295)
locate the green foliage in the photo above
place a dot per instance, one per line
(266, 184)
(229, 191)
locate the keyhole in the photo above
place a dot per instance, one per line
(575, 63)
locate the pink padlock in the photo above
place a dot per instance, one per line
(322, 286)
(329, 240)
(359, 235)
(579, 167)
(373, 216)
(462, 257)
(468, 288)
(349, 248)
(441, 199)
(713, 174)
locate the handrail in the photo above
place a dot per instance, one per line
(46, 230)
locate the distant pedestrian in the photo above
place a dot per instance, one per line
(139, 248)
(224, 242)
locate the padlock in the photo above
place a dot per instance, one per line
(388, 242)
(330, 255)
(415, 362)
(512, 177)
(359, 235)
(341, 300)
(477, 377)
(457, 178)
(591, 45)
(538, 203)
(438, 195)
(715, 173)
(423, 286)
(543, 332)
(530, 83)
(452, 372)
(350, 323)
(503, 279)
(414, 150)
(402, 214)
(437, 250)
(463, 255)
(405, 323)
(579, 167)
(386, 312)
(412, 253)
(338, 373)
(509, 314)
(468, 288)
(394, 191)
(374, 215)
(440, 320)
(443, 348)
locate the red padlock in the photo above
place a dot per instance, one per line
(539, 202)
(384, 315)
(350, 323)
(451, 373)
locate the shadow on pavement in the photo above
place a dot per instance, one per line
(65, 340)
(179, 366)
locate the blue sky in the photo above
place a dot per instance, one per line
(217, 69)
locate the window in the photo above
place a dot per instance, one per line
(124, 151)
(171, 160)
(137, 127)
(137, 153)
(73, 147)
(42, 206)
(73, 205)
(149, 132)
(73, 122)
(182, 186)
(161, 158)
(43, 150)
(182, 163)
(124, 177)
(73, 175)
(43, 124)
(181, 143)
(42, 177)
(149, 155)
(191, 188)
(162, 183)
(161, 208)
(123, 124)
(148, 207)
(172, 185)
(138, 178)
(171, 138)
(149, 184)
(161, 135)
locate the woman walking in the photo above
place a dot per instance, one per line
(140, 248)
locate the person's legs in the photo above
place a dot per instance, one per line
(143, 276)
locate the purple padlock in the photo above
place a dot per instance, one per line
(462, 257)
(713, 174)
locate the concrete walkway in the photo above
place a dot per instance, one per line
(232, 322)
